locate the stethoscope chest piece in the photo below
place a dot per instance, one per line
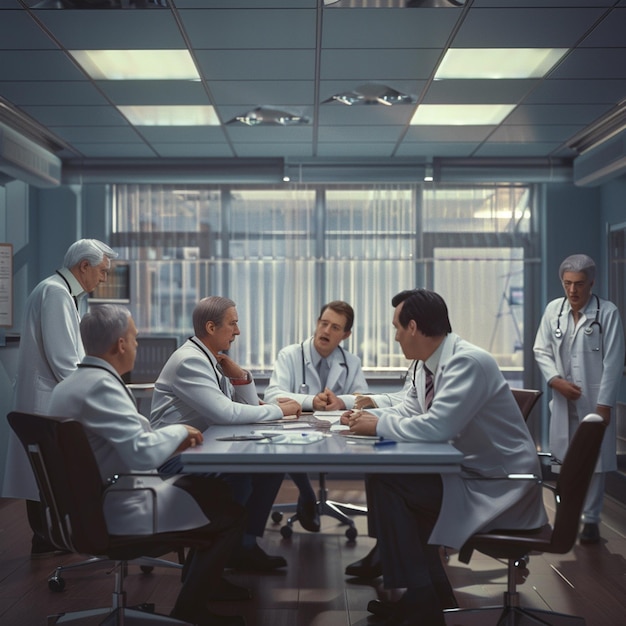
(558, 333)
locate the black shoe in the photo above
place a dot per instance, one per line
(229, 592)
(368, 567)
(381, 608)
(256, 560)
(308, 516)
(590, 534)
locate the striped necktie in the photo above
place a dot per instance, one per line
(429, 388)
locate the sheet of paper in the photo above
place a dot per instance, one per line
(328, 416)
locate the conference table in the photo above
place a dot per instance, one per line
(307, 445)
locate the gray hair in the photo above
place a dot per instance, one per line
(211, 309)
(579, 263)
(91, 250)
(102, 326)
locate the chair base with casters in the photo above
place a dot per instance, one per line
(118, 614)
(56, 582)
(558, 538)
(337, 510)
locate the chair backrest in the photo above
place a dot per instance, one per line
(68, 478)
(153, 351)
(526, 399)
(573, 481)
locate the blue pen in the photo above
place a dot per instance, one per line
(384, 442)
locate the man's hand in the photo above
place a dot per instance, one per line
(566, 389)
(289, 406)
(194, 438)
(362, 423)
(364, 402)
(320, 401)
(333, 403)
(230, 368)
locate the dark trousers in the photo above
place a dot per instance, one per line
(204, 566)
(404, 509)
(302, 482)
(256, 492)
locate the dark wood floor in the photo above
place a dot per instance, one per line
(590, 581)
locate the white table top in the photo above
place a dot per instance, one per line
(333, 453)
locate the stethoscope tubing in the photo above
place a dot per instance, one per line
(304, 387)
(558, 333)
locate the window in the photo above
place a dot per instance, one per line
(281, 252)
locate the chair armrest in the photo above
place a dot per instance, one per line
(150, 490)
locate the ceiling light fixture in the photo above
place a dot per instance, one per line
(371, 93)
(267, 116)
(428, 173)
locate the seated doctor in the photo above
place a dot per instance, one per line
(460, 395)
(124, 443)
(320, 375)
(201, 385)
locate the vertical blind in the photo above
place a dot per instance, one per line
(280, 253)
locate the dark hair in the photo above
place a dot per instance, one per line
(210, 309)
(342, 308)
(427, 308)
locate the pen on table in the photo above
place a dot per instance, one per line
(384, 442)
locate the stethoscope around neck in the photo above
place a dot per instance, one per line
(304, 388)
(558, 333)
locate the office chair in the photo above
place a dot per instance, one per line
(526, 399)
(71, 492)
(569, 492)
(338, 510)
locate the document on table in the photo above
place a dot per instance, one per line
(328, 416)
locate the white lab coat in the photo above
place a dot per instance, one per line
(474, 409)
(345, 377)
(123, 442)
(187, 391)
(597, 366)
(50, 349)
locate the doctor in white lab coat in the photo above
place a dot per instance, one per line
(322, 376)
(50, 349)
(200, 385)
(468, 402)
(579, 348)
(125, 444)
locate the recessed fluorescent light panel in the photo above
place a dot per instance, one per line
(498, 63)
(170, 115)
(137, 64)
(460, 114)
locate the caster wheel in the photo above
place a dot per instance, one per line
(146, 569)
(351, 533)
(521, 563)
(286, 532)
(56, 584)
(277, 517)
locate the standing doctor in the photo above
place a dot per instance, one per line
(50, 350)
(580, 350)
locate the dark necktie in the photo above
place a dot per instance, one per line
(324, 368)
(429, 388)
